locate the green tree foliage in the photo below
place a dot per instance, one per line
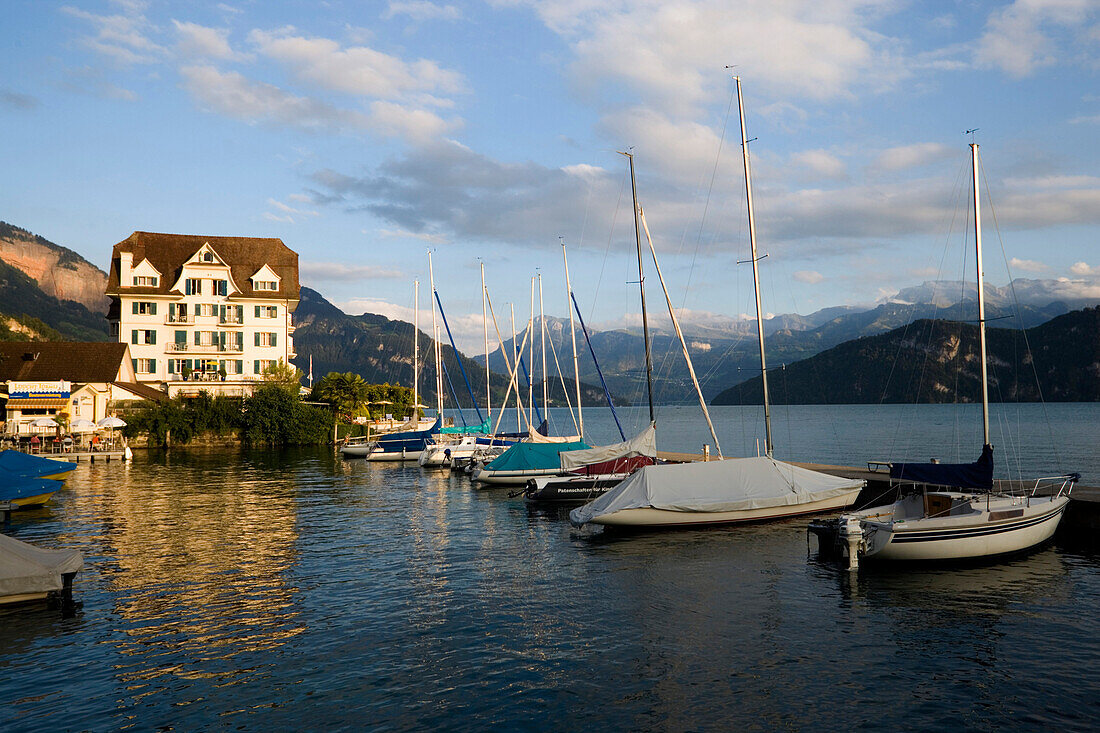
(347, 393)
(179, 420)
(273, 416)
(285, 376)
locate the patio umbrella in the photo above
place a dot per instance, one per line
(82, 425)
(44, 422)
(111, 422)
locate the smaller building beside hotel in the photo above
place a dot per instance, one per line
(65, 381)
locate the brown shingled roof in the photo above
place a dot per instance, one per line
(244, 255)
(60, 360)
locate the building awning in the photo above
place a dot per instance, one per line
(37, 404)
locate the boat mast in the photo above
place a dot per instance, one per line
(485, 342)
(435, 337)
(755, 274)
(573, 335)
(542, 318)
(416, 350)
(531, 358)
(981, 294)
(641, 286)
(515, 370)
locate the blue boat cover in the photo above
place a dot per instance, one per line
(18, 487)
(977, 475)
(532, 456)
(24, 464)
(408, 440)
(483, 428)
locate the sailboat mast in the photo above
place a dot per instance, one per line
(531, 358)
(573, 336)
(641, 286)
(416, 350)
(515, 370)
(435, 338)
(542, 319)
(485, 343)
(755, 274)
(981, 294)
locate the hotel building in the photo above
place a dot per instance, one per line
(203, 313)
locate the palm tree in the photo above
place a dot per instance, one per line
(347, 393)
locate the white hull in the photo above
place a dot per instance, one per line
(438, 455)
(650, 517)
(1005, 526)
(377, 455)
(513, 478)
(356, 450)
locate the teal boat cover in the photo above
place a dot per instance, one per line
(481, 429)
(532, 456)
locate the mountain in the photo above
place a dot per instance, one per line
(938, 361)
(22, 298)
(60, 272)
(381, 350)
(724, 350)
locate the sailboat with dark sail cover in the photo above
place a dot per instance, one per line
(953, 511)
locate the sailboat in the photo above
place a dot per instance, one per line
(724, 491)
(953, 511)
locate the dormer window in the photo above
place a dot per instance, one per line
(266, 285)
(145, 281)
(207, 256)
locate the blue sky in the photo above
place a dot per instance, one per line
(364, 134)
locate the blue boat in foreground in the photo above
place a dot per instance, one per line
(24, 465)
(23, 492)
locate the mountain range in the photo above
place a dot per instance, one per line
(49, 292)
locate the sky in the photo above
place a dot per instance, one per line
(364, 134)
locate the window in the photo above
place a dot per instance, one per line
(265, 285)
(264, 338)
(262, 365)
(145, 281)
(205, 309)
(267, 311)
(207, 256)
(221, 287)
(175, 366)
(177, 313)
(192, 286)
(114, 329)
(233, 366)
(142, 308)
(145, 366)
(142, 336)
(205, 338)
(231, 314)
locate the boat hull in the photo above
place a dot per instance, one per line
(923, 541)
(578, 490)
(650, 517)
(404, 455)
(29, 501)
(513, 478)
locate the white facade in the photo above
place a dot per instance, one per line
(203, 330)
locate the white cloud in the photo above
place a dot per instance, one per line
(121, 37)
(357, 70)
(422, 10)
(1084, 269)
(290, 215)
(1085, 120)
(1027, 265)
(337, 272)
(416, 125)
(820, 163)
(808, 276)
(1018, 39)
(912, 156)
(197, 41)
(405, 234)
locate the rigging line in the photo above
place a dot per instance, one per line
(507, 364)
(1020, 321)
(607, 249)
(460, 367)
(451, 388)
(587, 340)
(564, 388)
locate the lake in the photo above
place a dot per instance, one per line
(291, 590)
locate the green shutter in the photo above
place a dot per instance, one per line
(240, 314)
(151, 337)
(181, 337)
(154, 309)
(274, 339)
(257, 311)
(152, 366)
(133, 336)
(135, 307)
(198, 340)
(135, 365)
(256, 367)
(240, 366)
(257, 335)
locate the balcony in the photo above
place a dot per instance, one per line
(229, 320)
(178, 318)
(205, 348)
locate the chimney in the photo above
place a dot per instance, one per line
(125, 269)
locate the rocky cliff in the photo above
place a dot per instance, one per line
(59, 272)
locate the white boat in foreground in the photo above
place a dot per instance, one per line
(717, 492)
(952, 511)
(29, 573)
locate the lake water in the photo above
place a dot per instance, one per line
(290, 590)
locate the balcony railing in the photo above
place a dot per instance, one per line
(206, 348)
(229, 320)
(178, 318)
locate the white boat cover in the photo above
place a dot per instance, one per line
(533, 437)
(642, 444)
(731, 485)
(28, 569)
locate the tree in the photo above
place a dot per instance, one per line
(347, 393)
(285, 376)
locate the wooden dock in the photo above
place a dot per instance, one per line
(90, 456)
